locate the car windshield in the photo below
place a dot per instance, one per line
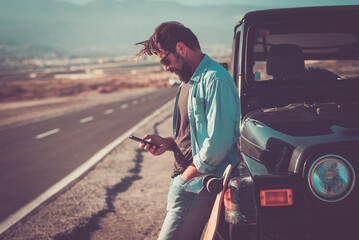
(303, 52)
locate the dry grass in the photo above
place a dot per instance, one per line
(39, 89)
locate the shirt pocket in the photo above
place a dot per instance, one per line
(199, 109)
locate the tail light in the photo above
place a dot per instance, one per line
(276, 197)
(227, 199)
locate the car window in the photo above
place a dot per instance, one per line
(306, 52)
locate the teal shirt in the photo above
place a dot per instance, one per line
(213, 110)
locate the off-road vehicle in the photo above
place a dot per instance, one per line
(297, 72)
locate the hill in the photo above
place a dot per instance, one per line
(106, 27)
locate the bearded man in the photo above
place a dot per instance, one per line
(205, 127)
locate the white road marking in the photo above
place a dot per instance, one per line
(134, 102)
(85, 120)
(143, 99)
(109, 111)
(124, 106)
(48, 133)
(77, 173)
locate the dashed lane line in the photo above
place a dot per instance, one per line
(108, 111)
(48, 133)
(124, 106)
(87, 119)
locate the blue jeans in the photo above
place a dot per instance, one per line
(187, 212)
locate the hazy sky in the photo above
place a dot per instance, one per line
(275, 3)
(100, 31)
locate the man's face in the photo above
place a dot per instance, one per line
(175, 63)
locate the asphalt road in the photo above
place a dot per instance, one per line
(35, 156)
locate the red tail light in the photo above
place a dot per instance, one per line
(276, 197)
(227, 199)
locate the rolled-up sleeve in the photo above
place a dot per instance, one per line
(221, 107)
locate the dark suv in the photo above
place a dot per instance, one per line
(297, 72)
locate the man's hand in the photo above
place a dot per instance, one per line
(191, 172)
(166, 144)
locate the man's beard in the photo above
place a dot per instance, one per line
(184, 73)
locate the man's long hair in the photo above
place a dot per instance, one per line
(166, 36)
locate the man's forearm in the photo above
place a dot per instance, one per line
(191, 172)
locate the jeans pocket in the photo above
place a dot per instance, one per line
(178, 198)
(181, 181)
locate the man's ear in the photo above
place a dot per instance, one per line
(181, 48)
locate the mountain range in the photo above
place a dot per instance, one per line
(107, 27)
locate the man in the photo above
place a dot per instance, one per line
(205, 127)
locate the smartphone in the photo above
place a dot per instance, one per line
(144, 141)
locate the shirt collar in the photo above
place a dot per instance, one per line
(197, 74)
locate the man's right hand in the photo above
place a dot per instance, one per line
(166, 144)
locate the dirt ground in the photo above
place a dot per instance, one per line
(123, 196)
